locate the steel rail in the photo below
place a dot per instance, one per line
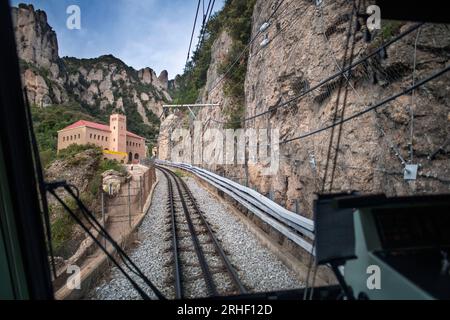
(207, 275)
(296, 221)
(176, 257)
(253, 206)
(230, 269)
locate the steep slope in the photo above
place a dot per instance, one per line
(307, 44)
(100, 86)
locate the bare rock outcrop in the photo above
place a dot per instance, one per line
(37, 42)
(106, 82)
(307, 44)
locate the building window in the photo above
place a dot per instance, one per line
(136, 156)
(90, 136)
(79, 136)
(95, 136)
(64, 138)
(103, 138)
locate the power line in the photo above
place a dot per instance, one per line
(212, 8)
(193, 31)
(411, 142)
(383, 133)
(355, 12)
(206, 16)
(288, 25)
(359, 114)
(332, 77)
(231, 66)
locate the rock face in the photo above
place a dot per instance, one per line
(164, 139)
(37, 42)
(307, 45)
(79, 170)
(112, 181)
(104, 83)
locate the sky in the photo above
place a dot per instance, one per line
(142, 33)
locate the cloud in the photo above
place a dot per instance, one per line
(142, 33)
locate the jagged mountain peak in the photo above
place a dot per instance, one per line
(100, 85)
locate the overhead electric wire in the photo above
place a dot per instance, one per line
(359, 114)
(411, 143)
(211, 10)
(104, 249)
(231, 66)
(193, 31)
(204, 22)
(349, 36)
(332, 77)
(40, 181)
(336, 108)
(344, 105)
(290, 24)
(391, 143)
(90, 218)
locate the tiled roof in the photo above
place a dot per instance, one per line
(98, 126)
(131, 134)
(89, 124)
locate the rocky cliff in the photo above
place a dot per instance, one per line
(100, 85)
(308, 43)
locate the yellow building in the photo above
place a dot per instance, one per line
(116, 142)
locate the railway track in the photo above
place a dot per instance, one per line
(199, 261)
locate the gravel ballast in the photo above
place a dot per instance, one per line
(258, 268)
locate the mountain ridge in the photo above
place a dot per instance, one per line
(100, 85)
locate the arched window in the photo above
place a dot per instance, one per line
(64, 138)
(95, 136)
(130, 157)
(79, 136)
(136, 156)
(90, 136)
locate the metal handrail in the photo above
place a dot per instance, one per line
(290, 224)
